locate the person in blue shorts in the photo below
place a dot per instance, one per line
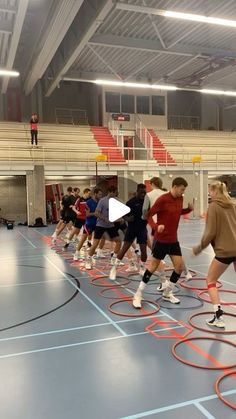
(91, 220)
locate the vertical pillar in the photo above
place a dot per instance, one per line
(36, 200)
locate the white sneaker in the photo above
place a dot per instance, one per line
(100, 254)
(137, 300)
(113, 260)
(216, 322)
(132, 267)
(169, 296)
(88, 264)
(77, 256)
(112, 274)
(187, 275)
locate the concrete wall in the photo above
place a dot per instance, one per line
(13, 198)
(209, 112)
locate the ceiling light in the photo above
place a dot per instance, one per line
(9, 73)
(137, 85)
(199, 18)
(218, 92)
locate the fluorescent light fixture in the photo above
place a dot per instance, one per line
(9, 73)
(217, 92)
(199, 18)
(137, 85)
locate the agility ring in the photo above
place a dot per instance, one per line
(223, 303)
(185, 284)
(143, 311)
(218, 392)
(108, 285)
(179, 306)
(117, 288)
(193, 364)
(208, 329)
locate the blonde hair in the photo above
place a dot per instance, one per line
(221, 192)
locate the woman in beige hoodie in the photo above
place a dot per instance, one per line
(220, 232)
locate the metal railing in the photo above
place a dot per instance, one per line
(65, 155)
(144, 135)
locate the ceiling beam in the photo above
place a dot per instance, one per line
(57, 28)
(18, 24)
(89, 21)
(186, 50)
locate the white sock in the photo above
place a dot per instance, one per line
(142, 286)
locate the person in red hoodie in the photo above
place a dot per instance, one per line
(168, 208)
(34, 129)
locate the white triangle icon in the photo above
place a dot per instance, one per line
(116, 210)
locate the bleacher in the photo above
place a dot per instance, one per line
(214, 147)
(56, 143)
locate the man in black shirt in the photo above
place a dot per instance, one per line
(137, 229)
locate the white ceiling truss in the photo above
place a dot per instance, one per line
(125, 40)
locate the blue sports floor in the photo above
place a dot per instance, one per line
(65, 355)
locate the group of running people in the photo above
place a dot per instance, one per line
(162, 211)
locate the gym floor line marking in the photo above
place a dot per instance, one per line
(203, 410)
(71, 345)
(30, 242)
(32, 283)
(73, 329)
(223, 280)
(178, 405)
(88, 299)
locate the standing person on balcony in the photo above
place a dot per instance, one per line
(220, 232)
(34, 129)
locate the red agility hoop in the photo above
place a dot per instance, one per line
(193, 273)
(114, 288)
(193, 364)
(218, 392)
(184, 284)
(126, 281)
(129, 300)
(208, 329)
(223, 303)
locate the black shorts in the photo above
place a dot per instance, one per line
(67, 218)
(135, 233)
(78, 223)
(111, 231)
(226, 261)
(120, 226)
(160, 250)
(62, 216)
(88, 229)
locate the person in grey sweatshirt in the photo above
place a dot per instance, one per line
(220, 232)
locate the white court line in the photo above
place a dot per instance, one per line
(88, 299)
(76, 328)
(32, 244)
(71, 345)
(204, 411)
(31, 283)
(18, 258)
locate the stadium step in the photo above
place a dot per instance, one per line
(104, 139)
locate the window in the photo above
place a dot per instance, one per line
(112, 102)
(143, 105)
(158, 105)
(127, 103)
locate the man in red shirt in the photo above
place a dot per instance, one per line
(168, 208)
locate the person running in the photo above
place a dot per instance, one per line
(168, 208)
(137, 229)
(220, 232)
(68, 201)
(104, 226)
(79, 208)
(91, 220)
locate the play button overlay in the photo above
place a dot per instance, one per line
(116, 210)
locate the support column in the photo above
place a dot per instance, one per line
(36, 200)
